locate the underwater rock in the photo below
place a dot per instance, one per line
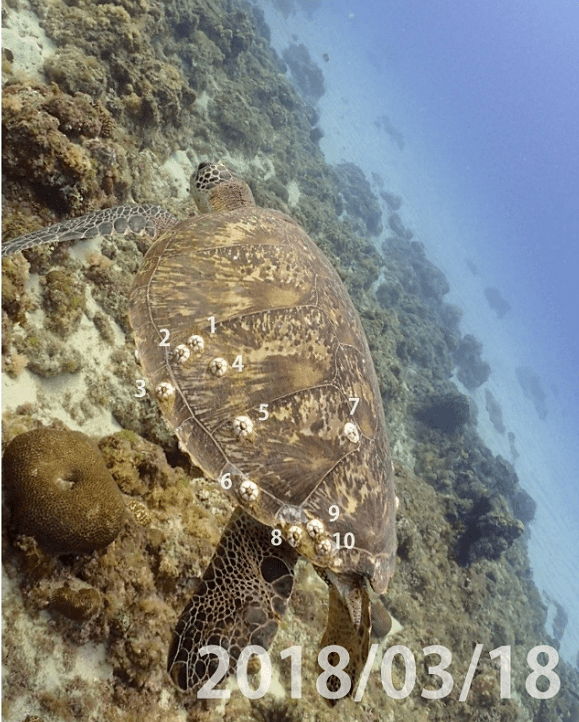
(316, 135)
(524, 506)
(495, 412)
(60, 492)
(531, 386)
(307, 76)
(392, 200)
(47, 354)
(433, 284)
(497, 302)
(64, 301)
(384, 123)
(76, 604)
(472, 370)
(473, 268)
(514, 453)
(501, 476)
(396, 225)
(450, 315)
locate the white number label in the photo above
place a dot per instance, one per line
(237, 364)
(439, 670)
(348, 541)
(386, 672)
(333, 668)
(265, 671)
(225, 481)
(208, 690)
(295, 653)
(354, 400)
(334, 512)
(165, 333)
(543, 670)
(276, 537)
(264, 413)
(141, 390)
(211, 324)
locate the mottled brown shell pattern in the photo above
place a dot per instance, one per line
(259, 362)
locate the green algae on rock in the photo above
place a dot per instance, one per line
(60, 491)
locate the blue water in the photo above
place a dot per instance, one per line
(497, 84)
(485, 95)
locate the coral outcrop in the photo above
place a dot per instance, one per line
(531, 385)
(60, 492)
(497, 302)
(472, 370)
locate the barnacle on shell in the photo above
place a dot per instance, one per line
(60, 491)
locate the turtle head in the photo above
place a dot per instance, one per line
(215, 188)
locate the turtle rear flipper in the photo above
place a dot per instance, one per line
(242, 597)
(342, 631)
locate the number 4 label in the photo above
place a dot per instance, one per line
(238, 363)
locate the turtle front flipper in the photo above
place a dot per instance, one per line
(349, 626)
(242, 597)
(144, 219)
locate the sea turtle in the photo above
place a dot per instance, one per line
(259, 363)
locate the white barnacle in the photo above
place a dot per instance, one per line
(323, 547)
(196, 343)
(351, 432)
(248, 491)
(337, 563)
(315, 528)
(218, 366)
(242, 427)
(182, 353)
(294, 535)
(164, 391)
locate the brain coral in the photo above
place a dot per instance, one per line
(60, 491)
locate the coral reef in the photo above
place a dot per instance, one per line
(490, 530)
(447, 412)
(472, 370)
(60, 492)
(360, 203)
(58, 146)
(524, 506)
(307, 76)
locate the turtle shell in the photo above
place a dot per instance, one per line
(260, 364)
